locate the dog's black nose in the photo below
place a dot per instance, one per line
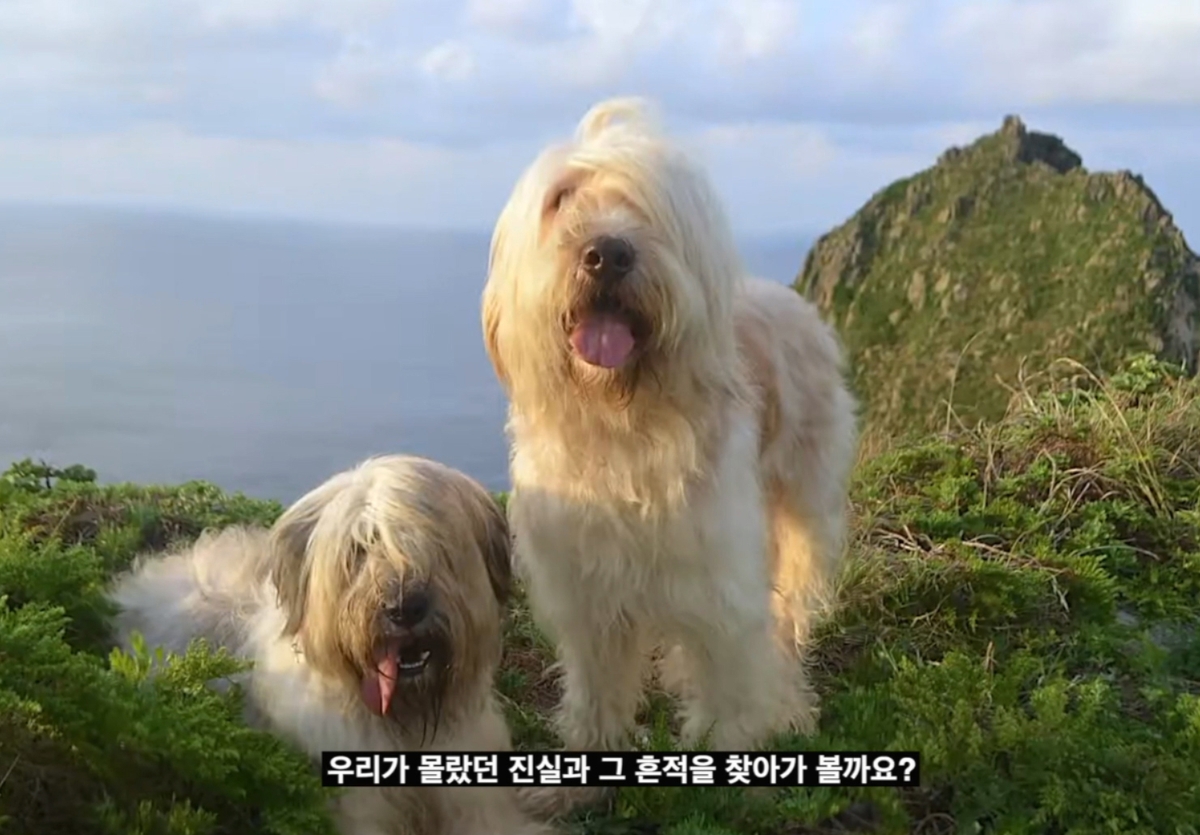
(607, 258)
(413, 608)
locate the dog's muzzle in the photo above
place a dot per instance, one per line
(604, 335)
(412, 642)
(607, 259)
(409, 619)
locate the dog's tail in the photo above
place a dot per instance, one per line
(209, 589)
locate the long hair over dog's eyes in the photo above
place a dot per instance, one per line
(558, 196)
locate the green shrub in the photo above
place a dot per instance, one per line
(88, 742)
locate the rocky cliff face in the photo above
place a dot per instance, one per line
(1004, 253)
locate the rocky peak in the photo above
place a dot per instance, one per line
(1016, 143)
(1007, 250)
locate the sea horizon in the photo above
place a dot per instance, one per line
(262, 353)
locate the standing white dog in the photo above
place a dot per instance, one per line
(682, 439)
(372, 612)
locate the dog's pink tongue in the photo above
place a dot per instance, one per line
(603, 340)
(379, 684)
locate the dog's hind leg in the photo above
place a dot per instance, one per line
(207, 589)
(807, 546)
(807, 552)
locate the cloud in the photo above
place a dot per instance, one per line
(795, 150)
(813, 181)
(1080, 51)
(450, 61)
(518, 20)
(779, 176)
(340, 16)
(357, 180)
(759, 28)
(333, 106)
(431, 69)
(877, 33)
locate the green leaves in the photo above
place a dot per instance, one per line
(40, 477)
(95, 740)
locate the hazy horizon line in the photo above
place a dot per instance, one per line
(254, 216)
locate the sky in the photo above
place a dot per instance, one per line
(424, 112)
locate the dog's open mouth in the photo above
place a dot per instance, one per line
(395, 661)
(604, 338)
(412, 660)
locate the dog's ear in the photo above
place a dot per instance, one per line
(290, 570)
(491, 332)
(496, 545)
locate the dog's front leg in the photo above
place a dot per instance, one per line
(741, 686)
(601, 655)
(599, 646)
(602, 684)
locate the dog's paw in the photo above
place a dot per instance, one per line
(550, 802)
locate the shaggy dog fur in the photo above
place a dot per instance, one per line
(372, 612)
(682, 439)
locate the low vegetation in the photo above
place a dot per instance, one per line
(1021, 607)
(1006, 252)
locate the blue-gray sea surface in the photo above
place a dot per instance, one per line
(260, 355)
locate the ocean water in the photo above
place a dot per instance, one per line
(262, 356)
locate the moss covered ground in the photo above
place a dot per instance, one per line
(1020, 606)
